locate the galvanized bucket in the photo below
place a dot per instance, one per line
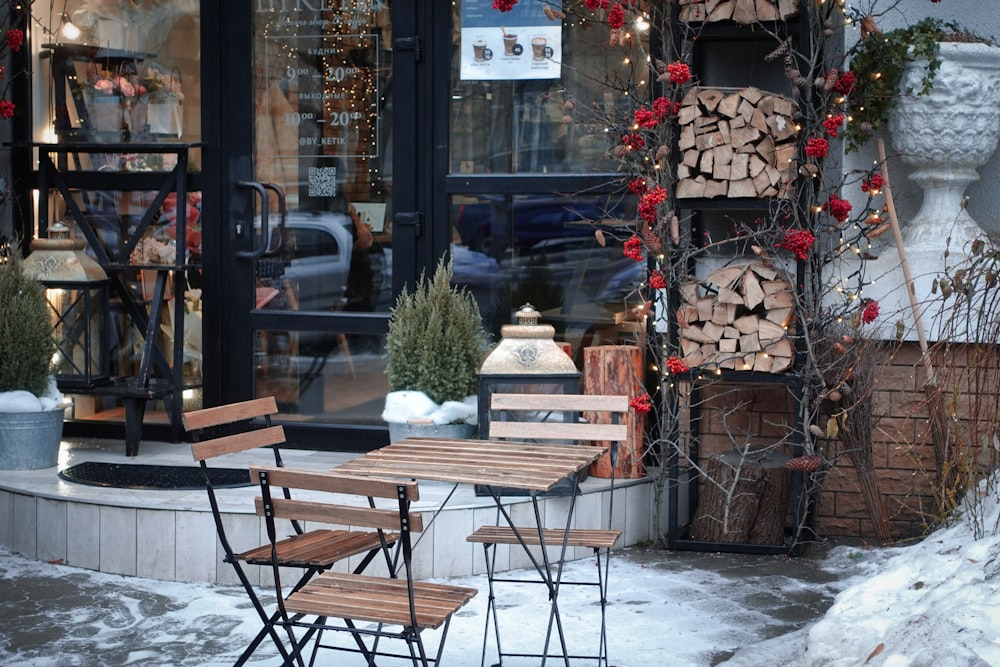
(30, 440)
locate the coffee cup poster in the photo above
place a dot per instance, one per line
(520, 44)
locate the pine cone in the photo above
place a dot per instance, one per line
(810, 463)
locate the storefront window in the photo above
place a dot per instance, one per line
(118, 72)
(109, 77)
(533, 93)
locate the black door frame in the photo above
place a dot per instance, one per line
(420, 232)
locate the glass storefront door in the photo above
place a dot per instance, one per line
(322, 174)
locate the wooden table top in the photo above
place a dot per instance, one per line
(497, 463)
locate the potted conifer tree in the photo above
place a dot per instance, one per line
(31, 409)
(434, 347)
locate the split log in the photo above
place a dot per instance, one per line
(616, 370)
(738, 318)
(736, 144)
(744, 499)
(743, 12)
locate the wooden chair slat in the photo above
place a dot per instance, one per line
(578, 537)
(317, 548)
(345, 515)
(238, 442)
(334, 482)
(378, 600)
(558, 431)
(229, 414)
(560, 402)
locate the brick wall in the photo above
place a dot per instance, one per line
(902, 445)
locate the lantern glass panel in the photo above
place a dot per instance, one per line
(79, 315)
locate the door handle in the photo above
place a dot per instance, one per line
(264, 248)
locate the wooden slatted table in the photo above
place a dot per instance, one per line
(523, 465)
(494, 465)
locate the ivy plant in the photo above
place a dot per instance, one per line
(878, 62)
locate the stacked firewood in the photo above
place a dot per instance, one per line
(735, 144)
(738, 319)
(743, 12)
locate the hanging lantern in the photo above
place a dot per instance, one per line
(76, 288)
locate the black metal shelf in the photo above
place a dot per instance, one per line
(156, 377)
(701, 36)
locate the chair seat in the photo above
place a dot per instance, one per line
(578, 537)
(378, 599)
(316, 548)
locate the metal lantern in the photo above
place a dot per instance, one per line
(76, 288)
(526, 360)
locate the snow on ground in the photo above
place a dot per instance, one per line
(933, 603)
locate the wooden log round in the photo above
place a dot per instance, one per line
(745, 499)
(616, 370)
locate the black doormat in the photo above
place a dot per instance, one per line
(141, 476)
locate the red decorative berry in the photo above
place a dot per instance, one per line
(870, 312)
(656, 280)
(645, 118)
(616, 17)
(873, 183)
(798, 242)
(676, 365)
(14, 39)
(6, 109)
(839, 208)
(637, 186)
(845, 84)
(649, 202)
(633, 249)
(663, 107)
(641, 404)
(817, 147)
(679, 73)
(833, 123)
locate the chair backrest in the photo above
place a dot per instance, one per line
(557, 417)
(351, 504)
(230, 414)
(209, 420)
(350, 507)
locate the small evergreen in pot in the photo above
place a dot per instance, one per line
(434, 346)
(31, 413)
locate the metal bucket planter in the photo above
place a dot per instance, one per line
(400, 431)
(30, 440)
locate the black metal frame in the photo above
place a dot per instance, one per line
(796, 29)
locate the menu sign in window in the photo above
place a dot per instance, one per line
(523, 43)
(331, 85)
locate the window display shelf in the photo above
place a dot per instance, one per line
(113, 236)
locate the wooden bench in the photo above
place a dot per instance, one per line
(554, 417)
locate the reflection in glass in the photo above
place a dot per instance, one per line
(307, 372)
(523, 125)
(561, 254)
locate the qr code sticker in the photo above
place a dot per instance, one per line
(322, 181)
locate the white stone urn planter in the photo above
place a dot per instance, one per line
(945, 136)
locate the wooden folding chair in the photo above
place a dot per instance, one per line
(310, 551)
(524, 417)
(388, 602)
